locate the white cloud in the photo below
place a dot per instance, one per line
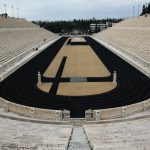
(70, 9)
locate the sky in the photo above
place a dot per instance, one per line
(71, 9)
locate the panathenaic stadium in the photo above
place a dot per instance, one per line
(75, 92)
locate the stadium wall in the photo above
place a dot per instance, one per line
(57, 115)
(121, 112)
(44, 114)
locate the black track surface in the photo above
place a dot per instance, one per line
(21, 88)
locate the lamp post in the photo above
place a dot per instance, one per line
(138, 10)
(13, 11)
(18, 12)
(39, 78)
(5, 8)
(133, 12)
(115, 77)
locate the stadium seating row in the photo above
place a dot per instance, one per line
(141, 21)
(15, 23)
(130, 40)
(121, 135)
(26, 135)
(14, 42)
(19, 39)
(135, 41)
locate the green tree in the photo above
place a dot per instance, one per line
(148, 8)
(144, 10)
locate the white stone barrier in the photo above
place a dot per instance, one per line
(66, 114)
(88, 114)
(37, 113)
(120, 112)
(105, 114)
(57, 115)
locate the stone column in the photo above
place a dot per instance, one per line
(115, 77)
(39, 78)
(97, 116)
(66, 115)
(89, 114)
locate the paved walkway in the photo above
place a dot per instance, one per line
(78, 140)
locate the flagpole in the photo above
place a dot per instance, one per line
(5, 8)
(12, 12)
(18, 12)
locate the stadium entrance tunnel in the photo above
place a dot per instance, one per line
(21, 87)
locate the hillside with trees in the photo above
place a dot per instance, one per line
(83, 26)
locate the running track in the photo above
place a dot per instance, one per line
(20, 87)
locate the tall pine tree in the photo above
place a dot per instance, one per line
(148, 8)
(144, 10)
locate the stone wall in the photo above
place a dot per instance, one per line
(120, 112)
(37, 113)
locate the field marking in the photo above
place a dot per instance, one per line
(45, 87)
(81, 62)
(77, 39)
(84, 88)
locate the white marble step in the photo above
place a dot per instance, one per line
(78, 140)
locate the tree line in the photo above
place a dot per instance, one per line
(82, 25)
(146, 9)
